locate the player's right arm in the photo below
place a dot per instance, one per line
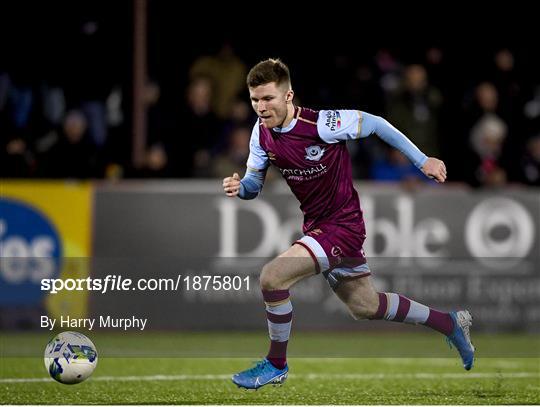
(251, 185)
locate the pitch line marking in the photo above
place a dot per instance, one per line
(309, 376)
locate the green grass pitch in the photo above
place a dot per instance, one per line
(326, 368)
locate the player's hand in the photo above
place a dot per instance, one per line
(435, 169)
(231, 185)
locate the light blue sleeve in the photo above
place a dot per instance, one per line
(340, 125)
(257, 164)
(252, 183)
(258, 159)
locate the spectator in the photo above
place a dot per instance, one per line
(156, 160)
(195, 133)
(415, 110)
(485, 102)
(240, 115)
(506, 80)
(16, 157)
(234, 158)
(531, 111)
(71, 155)
(90, 78)
(393, 166)
(227, 73)
(487, 139)
(530, 162)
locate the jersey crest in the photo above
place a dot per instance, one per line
(314, 153)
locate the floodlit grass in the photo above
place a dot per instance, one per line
(384, 378)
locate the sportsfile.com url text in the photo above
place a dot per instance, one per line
(119, 283)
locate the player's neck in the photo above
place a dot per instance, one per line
(290, 115)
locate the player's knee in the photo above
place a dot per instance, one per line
(358, 312)
(362, 309)
(268, 279)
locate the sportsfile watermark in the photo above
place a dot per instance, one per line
(197, 295)
(118, 283)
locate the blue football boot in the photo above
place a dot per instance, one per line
(261, 374)
(461, 337)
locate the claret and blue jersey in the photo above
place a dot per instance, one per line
(316, 168)
(312, 156)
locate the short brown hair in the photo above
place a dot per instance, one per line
(267, 71)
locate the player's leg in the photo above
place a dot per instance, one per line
(364, 302)
(359, 295)
(276, 278)
(287, 269)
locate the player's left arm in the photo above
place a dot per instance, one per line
(432, 167)
(339, 125)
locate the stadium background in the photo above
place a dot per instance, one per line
(89, 188)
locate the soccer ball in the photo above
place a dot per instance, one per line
(70, 357)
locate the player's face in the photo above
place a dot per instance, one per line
(270, 103)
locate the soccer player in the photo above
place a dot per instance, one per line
(309, 149)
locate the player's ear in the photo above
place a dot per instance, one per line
(289, 96)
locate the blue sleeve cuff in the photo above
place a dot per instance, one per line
(251, 185)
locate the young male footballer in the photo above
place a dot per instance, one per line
(309, 148)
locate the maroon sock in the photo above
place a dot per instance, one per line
(440, 321)
(277, 355)
(279, 316)
(398, 308)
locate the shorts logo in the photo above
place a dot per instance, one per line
(314, 153)
(315, 232)
(336, 253)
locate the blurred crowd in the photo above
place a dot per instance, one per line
(484, 121)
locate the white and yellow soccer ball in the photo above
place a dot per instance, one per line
(70, 357)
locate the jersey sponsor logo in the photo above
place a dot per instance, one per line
(333, 120)
(314, 153)
(303, 171)
(303, 174)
